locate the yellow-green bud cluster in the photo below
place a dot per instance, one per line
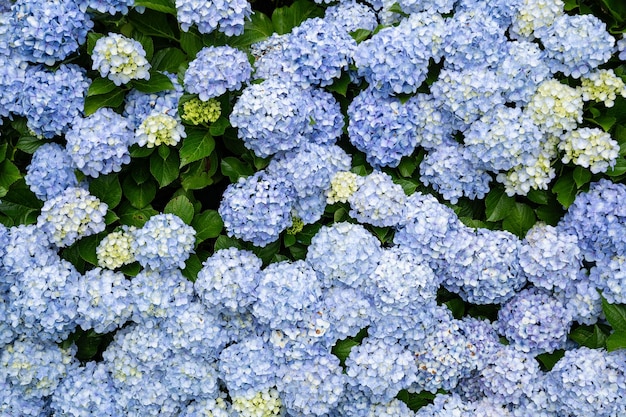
(342, 186)
(264, 404)
(296, 226)
(602, 85)
(115, 249)
(196, 111)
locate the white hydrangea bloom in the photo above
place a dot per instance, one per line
(342, 186)
(602, 85)
(121, 59)
(534, 15)
(115, 249)
(159, 128)
(556, 107)
(266, 403)
(590, 148)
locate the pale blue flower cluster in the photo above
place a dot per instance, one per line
(226, 16)
(378, 201)
(47, 32)
(98, 144)
(215, 70)
(111, 6)
(352, 16)
(51, 100)
(138, 105)
(50, 172)
(164, 242)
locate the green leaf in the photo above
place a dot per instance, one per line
(197, 145)
(107, 188)
(168, 59)
(565, 190)
(29, 144)
(258, 28)
(92, 38)
(570, 5)
(340, 85)
(617, 8)
(396, 8)
(111, 99)
(289, 240)
(132, 216)
(208, 225)
(550, 215)
(165, 171)
(9, 174)
(152, 23)
(407, 166)
(415, 401)
(591, 337)
(225, 242)
(581, 176)
(100, 86)
(146, 42)
(616, 341)
(88, 345)
(191, 42)
(343, 348)
(139, 196)
(141, 172)
(137, 151)
(21, 205)
(165, 6)
(519, 220)
(234, 168)
(158, 82)
(615, 315)
(196, 176)
(360, 35)
(181, 207)
(498, 205)
(618, 169)
(548, 360)
(87, 248)
(457, 307)
(288, 17)
(409, 185)
(219, 126)
(267, 252)
(193, 265)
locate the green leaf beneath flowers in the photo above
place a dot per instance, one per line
(498, 205)
(208, 225)
(565, 190)
(343, 348)
(616, 341)
(258, 28)
(168, 59)
(165, 6)
(234, 168)
(100, 86)
(618, 169)
(111, 99)
(519, 220)
(139, 196)
(197, 145)
(589, 336)
(132, 216)
(286, 18)
(181, 207)
(615, 315)
(158, 82)
(107, 188)
(581, 176)
(165, 171)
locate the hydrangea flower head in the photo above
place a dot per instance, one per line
(556, 107)
(51, 100)
(71, 215)
(50, 171)
(98, 144)
(157, 294)
(575, 45)
(342, 185)
(159, 129)
(196, 111)
(378, 201)
(139, 105)
(352, 16)
(266, 403)
(229, 16)
(590, 148)
(120, 59)
(115, 249)
(603, 86)
(215, 70)
(47, 32)
(164, 242)
(257, 208)
(534, 16)
(112, 6)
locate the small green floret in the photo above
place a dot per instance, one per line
(296, 226)
(196, 111)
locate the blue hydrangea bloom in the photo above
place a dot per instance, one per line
(50, 171)
(139, 105)
(98, 144)
(503, 138)
(312, 386)
(452, 171)
(550, 257)
(487, 270)
(382, 128)
(27, 246)
(534, 321)
(598, 219)
(111, 6)
(270, 117)
(86, 391)
(230, 15)
(12, 78)
(248, 367)
(352, 16)
(155, 294)
(15, 403)
(472, 38)
(325, 118)
(380, 369)
(482, 334)
(257, 208)
(71, 215)
(378, 201)
(228, 279)
(574, 45)
(348, 310)
(609, 276)
(434, 125)
(395, 60)
(621, 48)
(43, 301)
(582, 299)
(164, 242)
(104, 302)
(344, 252)
(48, 32)
(215, 70)
(35, 365)
(288, 297)
(52, 100)
(588, 382)
(310, 168)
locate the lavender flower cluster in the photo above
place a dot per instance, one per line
(244, 339)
